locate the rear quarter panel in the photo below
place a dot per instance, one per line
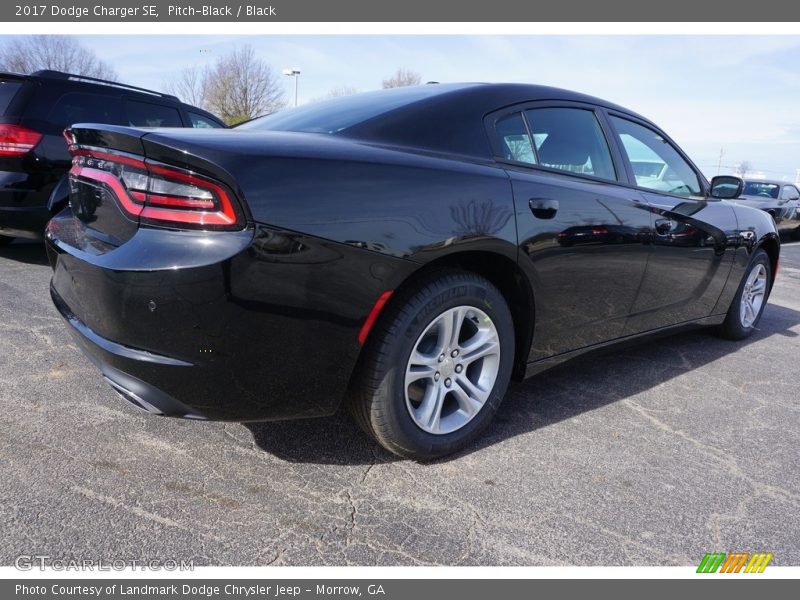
(336, 224)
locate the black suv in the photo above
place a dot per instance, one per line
(35, 109)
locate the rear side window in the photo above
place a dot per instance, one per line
(656, 164)
(147, 114)
(84, 108)
(515, 143)
(7, 91)
(202, 122)
(570, 139)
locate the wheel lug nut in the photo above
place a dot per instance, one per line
(441, 357)
(454, 353)
(447, 382)
(459, 368)
(436, 376)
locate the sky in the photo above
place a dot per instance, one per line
(735, 94)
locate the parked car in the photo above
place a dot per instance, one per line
(35, 109)
(779, 198)
(395, 251)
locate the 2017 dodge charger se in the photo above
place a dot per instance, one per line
(404, 253)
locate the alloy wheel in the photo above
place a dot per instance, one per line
(452, 369)
(753, 295)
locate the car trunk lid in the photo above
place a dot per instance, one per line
(115, 187)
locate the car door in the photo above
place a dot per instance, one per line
(691, 256)
(583, 238)
(788, 217)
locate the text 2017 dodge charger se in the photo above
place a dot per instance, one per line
(399, 251)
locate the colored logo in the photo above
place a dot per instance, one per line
(737, 562)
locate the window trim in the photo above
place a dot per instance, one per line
(205, 117)
(176, 107)
(490, 124)
(701, 180)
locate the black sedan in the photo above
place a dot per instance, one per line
(399, 253)
(779, 198)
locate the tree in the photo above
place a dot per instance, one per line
(402, 78)
(190, 86)
(341, 90)
(56, 52)
(241, 86)
(743, 168)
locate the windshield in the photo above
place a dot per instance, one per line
(759, 188)
(7, 91)
(332, 116)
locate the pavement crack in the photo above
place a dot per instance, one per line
(134, 510)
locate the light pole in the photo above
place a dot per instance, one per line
(293, 72)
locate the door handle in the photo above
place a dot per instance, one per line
(543, 208)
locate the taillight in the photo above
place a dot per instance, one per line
(158, 193)
(16, 140)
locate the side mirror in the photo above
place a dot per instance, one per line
(726, 187)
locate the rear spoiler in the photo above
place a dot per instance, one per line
(15, 76)
(112, 137)
(139, 143)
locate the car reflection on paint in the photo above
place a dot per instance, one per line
(778, 198)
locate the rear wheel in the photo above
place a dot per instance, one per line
(5, 240)
(437, 366)
(751, 298)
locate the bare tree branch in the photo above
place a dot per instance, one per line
(191, 86)
(401, 78)
(337, 92)
(55, 52)
(743, 168)
(241, 86)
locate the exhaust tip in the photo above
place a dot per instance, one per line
(133, 398)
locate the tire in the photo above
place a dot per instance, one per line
(5, 240)
(395, 399)
(740, 323)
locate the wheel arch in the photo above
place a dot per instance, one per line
(504, 273)
(771, 245)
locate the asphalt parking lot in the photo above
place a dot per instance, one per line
(649, 455)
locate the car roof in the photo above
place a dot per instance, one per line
(490, 95)
(444, 120)
(47, 75)
(71, 79)
(769, 181)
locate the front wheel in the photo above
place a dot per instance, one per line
(751, 298)
(436, 366)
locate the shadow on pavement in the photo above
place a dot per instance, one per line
(601, 378)
(25, 251)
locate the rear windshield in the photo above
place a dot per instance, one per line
(7, 91)
(332, 116)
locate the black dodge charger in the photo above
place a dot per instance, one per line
(401, 253)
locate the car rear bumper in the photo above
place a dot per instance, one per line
(24, 222)
(23, 203)
(239, 326)
(117, 363)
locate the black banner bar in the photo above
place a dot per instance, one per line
(397, 11)
(394, 589)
